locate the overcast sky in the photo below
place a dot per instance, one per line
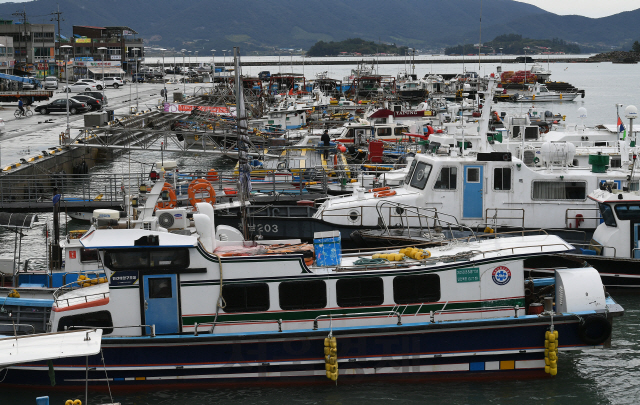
(587, 8)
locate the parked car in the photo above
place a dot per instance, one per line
(97, 95)
(99, 83)
(92, 102)
(80, 86)
(115, 82)
(50, 82)
(138, 77)
(60, 105)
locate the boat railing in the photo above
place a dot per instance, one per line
(514, 248)
(65, 287)
(244, 321)
(498, 216)
(19, 325)
(108, 327)
(412, 217)
(590, 246)
(579, 217)
(358, 315)
(444, 311)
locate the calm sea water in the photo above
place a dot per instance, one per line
(602, 377)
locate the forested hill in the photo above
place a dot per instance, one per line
(270, 26)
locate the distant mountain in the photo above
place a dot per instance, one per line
(269, 26)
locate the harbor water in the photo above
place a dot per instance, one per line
(609, 376)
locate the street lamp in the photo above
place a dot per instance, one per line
(162, 49)
(174, 66)
(103, 49)
(184, 82)
(213, 66)
(138, 78)
(500, 58)
(66, 74)
(224, 61)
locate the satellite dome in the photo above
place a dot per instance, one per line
(582, 112)
(631, 112)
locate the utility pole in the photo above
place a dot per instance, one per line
(58, 17)
(23, 16)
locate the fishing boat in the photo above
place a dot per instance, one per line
(613, 249)
(185, 306)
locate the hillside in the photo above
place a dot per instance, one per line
(269, 27)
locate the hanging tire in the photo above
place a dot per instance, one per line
(594, 330)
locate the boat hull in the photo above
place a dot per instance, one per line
(425, 350)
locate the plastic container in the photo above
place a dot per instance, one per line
(327, 246)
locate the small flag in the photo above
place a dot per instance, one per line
(621, 128)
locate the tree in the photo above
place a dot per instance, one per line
(635, 47)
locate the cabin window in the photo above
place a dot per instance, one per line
(502, 178)
(303, 294)
(252, 297)
(447, 179)
(420, 175)
(88, 255)
(357, 292)
(349, 133)
(414, 289)
(627, 211)
(559, 190)
(147, 259)
(413, 166)
(160, 287)
(384, 131)
(400, 130)
(473, 175)
(99, 319)
(607, 214)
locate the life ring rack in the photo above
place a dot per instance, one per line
(172, 202)
(200, 186)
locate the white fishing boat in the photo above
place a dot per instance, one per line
(184, 305)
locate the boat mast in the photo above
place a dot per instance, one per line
(244, 170)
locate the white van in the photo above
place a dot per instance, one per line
(50, 82)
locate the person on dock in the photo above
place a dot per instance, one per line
(325, 138)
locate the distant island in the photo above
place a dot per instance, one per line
(633, 56)
(514, 44)
(355, 47)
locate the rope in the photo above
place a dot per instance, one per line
(221, 303)
(106, 375)
(365, 261)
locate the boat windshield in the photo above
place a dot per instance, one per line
(410, 173)
(607, 214)
(628, 211)
(420, 175)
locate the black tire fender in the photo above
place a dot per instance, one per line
(594, 330)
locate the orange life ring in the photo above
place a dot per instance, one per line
(375, 190)
(173, 199)
(212, 175)
(386, 193)
(199, 186)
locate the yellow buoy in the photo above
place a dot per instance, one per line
(77, 402)
(547, 369)
(69, 402)
(376, 256)
(553, 371)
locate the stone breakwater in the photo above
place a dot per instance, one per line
(616, 56)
